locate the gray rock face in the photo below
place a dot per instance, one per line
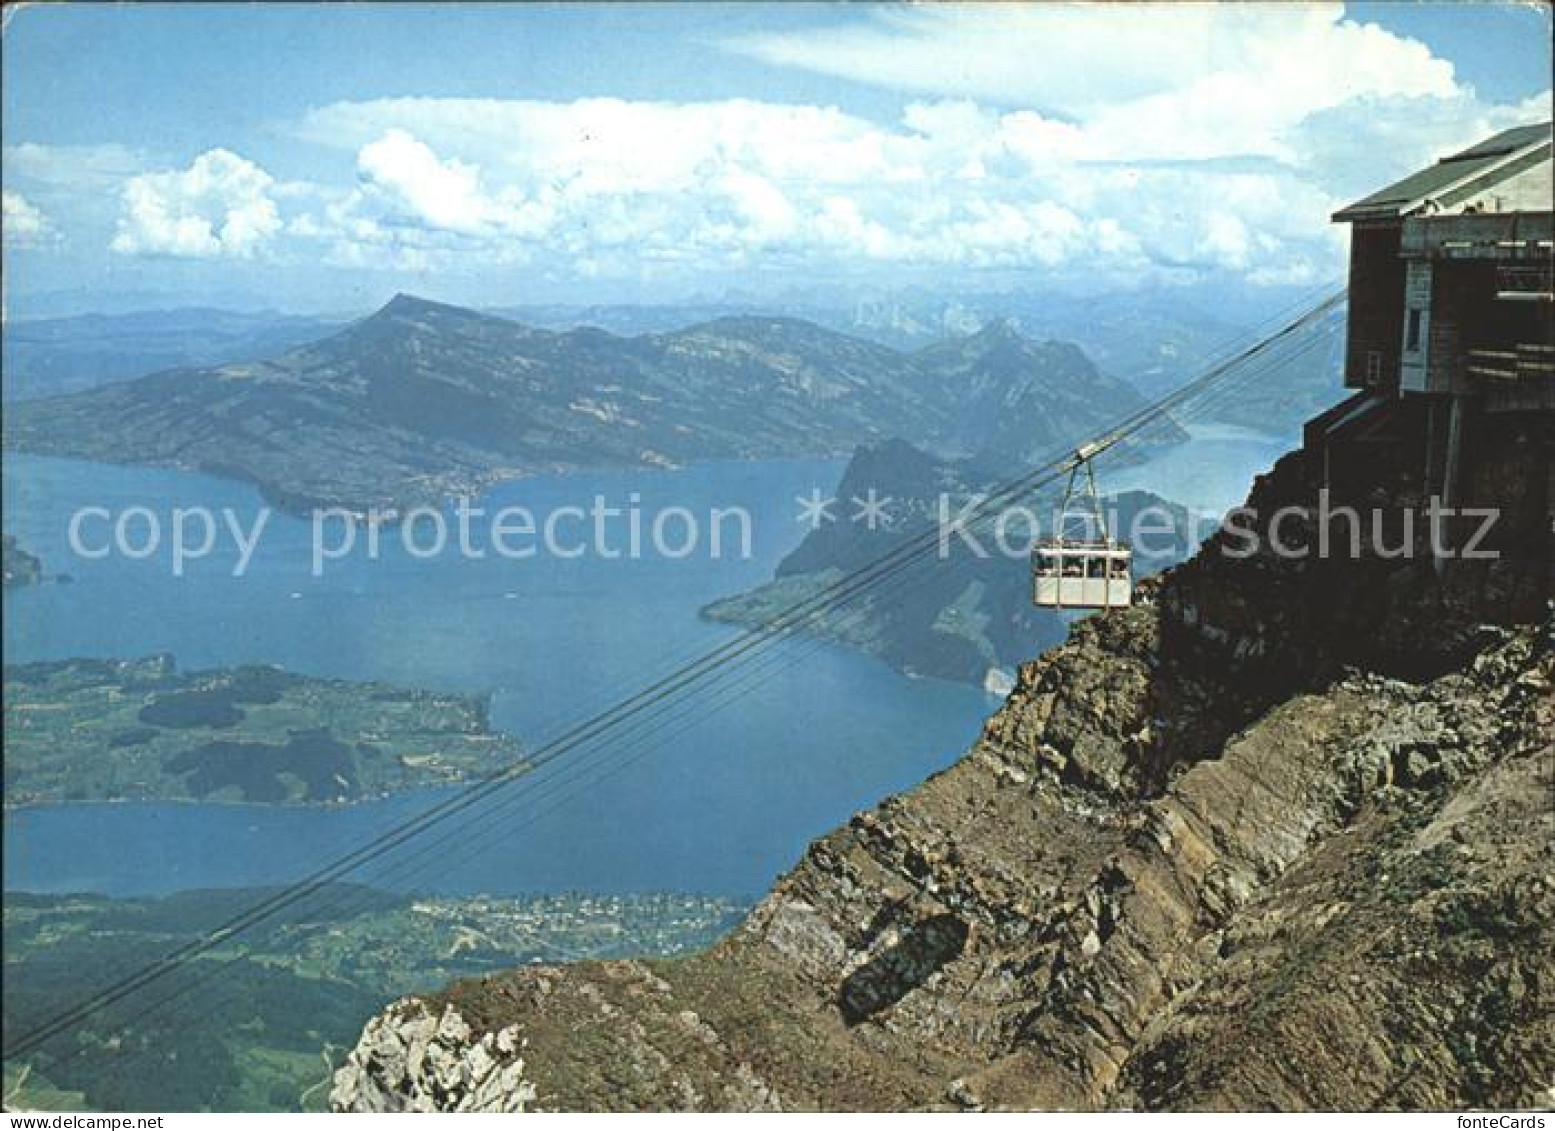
(1287, 924)
(411, 1059)
(1176, 871)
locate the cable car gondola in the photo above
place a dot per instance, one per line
(1092, 571)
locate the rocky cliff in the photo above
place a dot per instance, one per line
(17, 566)
(1276, 837)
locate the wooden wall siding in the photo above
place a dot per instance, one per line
(1376, 321)
(1452, 295)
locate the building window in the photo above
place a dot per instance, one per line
(1412, 334)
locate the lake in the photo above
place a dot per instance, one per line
(719, 798)
(1210, 474)
(719, 795)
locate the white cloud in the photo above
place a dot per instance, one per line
(1348, 104)
(1361, 145)
(445, 195)
(1098, 143)
(1192, 80)
(607, 146)
(764, 213)
(615, 187)
(84, 168)
(22, 222)
(221, 205)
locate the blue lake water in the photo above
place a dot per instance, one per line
(719, 796)
(1211, 474)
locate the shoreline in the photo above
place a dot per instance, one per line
(9, 807)
(475, 486)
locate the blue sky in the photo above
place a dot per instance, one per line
(307, 157)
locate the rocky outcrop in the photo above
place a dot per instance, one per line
(970, 618)
(412, 1059)
(1218, 850)
(17, 566)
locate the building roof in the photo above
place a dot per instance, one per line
(1507, 141)
(1458, 176)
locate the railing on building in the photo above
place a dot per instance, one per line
(1525, 361)
(1526, 282)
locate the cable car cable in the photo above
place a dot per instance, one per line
(840, 591)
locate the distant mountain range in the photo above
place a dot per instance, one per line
(422, 400)
(1008, 414)
(1154, 339)
(47, 357)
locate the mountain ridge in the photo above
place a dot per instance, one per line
(422, 400)
(1274, 837)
